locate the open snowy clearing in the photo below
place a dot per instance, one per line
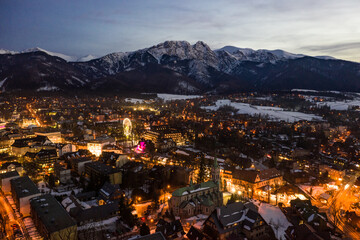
(172, 97)
(273, 113)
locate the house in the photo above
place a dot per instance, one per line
(53, 136)
(250, 180)
(238, 220)
(12, 166)
(99, 173)
(334, 172)
(302, 232)
(21, 146)
(159, 133)
(65, 148)
(61, 173)
(301, 212)
(171, 230)
(45, 159)
(51, 219)
(96, 146)
(22, 190)
(154, 236)
(94, 214)
(5, 180)
(195, 234)
(78, 164)
(110, 192)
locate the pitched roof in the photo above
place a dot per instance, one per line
(9, 174)
(154, 236)
(194, 188)
(94, 213)
(269, 173)
(245, 175)
(234, 215)
(195, 234)
(169, 228)
(7, 164)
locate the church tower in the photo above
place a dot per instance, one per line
(215, 171)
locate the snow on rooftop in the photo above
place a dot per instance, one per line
(275, 218)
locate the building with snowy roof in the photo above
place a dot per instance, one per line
(22, 190)
(51, 219)
(238, 220)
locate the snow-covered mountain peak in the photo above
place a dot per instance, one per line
(261, 55)
(60, 55)
(285, 55)
(5, 51)
(86, 58)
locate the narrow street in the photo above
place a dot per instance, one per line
(10, 218)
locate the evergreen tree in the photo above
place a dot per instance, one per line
(126, 208)
(51, 181)
(144, 230)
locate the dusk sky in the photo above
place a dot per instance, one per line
(79, 27)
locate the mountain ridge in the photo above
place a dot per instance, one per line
(179, 67)
(89, 57)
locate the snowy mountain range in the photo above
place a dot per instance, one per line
(60, 55)
(177, 67)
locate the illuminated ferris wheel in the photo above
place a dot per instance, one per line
(127, 127)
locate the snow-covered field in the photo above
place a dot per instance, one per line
(275, 218)
(135, 100)
(340, 105)
(171, 97)
(273, 113)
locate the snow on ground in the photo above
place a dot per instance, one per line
(275, 218)
(31, 229)
(47, 88)
(316, 190)
(134, 100)
(274, 113)
(104, 224)
(2, 82)
(339, 105)
(303, 90)
(171, 97)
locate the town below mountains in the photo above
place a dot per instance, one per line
(176, 67)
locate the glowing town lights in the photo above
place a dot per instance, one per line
(127, 127)
(239, 192)
(233, 190)
(340, 179)
(140, 148)
(346, 186)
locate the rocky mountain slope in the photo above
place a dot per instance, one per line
(179, 67)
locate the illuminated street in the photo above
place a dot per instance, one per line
(8, 212)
